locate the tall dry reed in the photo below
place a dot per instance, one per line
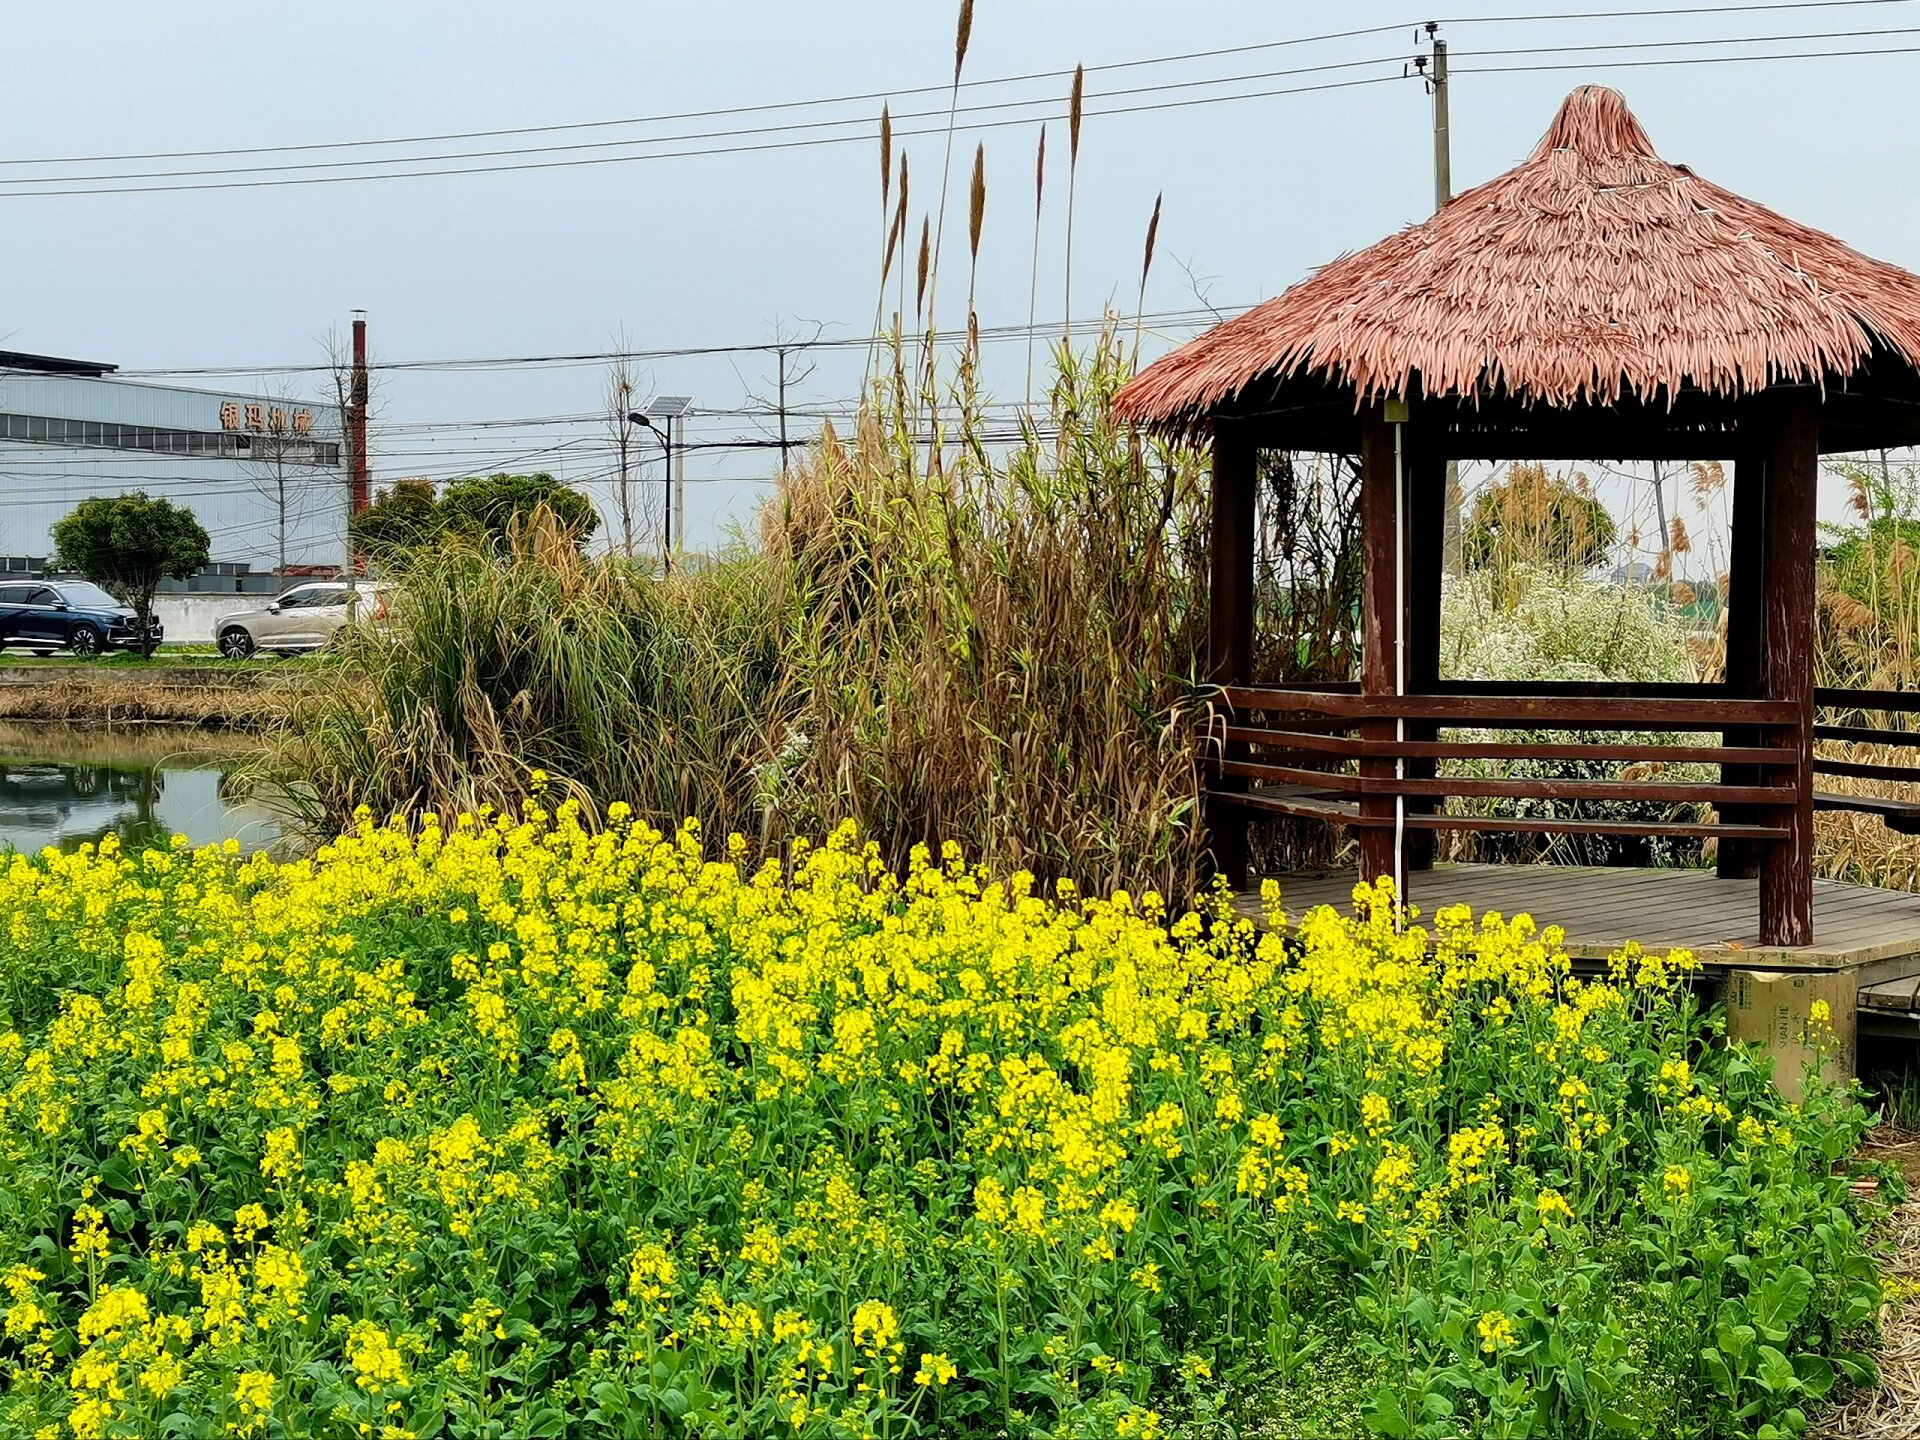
(1003, 652)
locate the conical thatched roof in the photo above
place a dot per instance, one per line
(1591, 272)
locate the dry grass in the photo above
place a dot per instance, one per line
(243, 700)
(1000, 649)
(1891, 1411)
(1852, 846)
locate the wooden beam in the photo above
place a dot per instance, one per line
(1746, 622)
(1793, 467)
(1626, 711)
(1894, 702)
(1347, 748)
(1426, 511)
(1230, 609)
(1381, 619)
(1654, 792)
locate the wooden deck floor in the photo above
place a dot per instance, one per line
(1875, 933)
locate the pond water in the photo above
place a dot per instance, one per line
(63, 786)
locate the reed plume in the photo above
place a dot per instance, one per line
(1073, 170)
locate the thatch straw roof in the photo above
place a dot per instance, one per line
(1592, 272)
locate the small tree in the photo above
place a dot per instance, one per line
(128, 544)
(284, 464)
(1531, 518)
(402, 517)
(486, 509)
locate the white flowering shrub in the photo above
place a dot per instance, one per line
(1553, 626)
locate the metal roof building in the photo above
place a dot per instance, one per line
(264, 474)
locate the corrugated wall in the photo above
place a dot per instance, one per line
(236, 499)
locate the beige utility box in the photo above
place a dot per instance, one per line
(1773, 1009)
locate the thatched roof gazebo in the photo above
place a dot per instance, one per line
(1594, 302)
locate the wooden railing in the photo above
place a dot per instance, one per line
(1899, 813)
(1329, 752)
(1333, 754)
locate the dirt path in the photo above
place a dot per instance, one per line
(1892, 1412)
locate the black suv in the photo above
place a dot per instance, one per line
(48, 615)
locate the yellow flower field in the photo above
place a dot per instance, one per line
(515, 1128)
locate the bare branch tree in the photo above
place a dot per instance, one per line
(284, 458)
(789, 374)
(621, 397)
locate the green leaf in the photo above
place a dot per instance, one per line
(1387, 1417)
(1719, 1374)
(1816, 1374)
(1775, 1372)
(1781, 1299)
(1859, 1369)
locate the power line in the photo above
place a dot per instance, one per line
(1683, 60)
(1670, 10)
(774, 145)
(865, 97)
(942, 88)
(1697, 44)
(865, 122)
(989, 333)
(82, 185)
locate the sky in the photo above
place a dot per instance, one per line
(690, 250)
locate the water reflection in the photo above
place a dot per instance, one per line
(65, 787)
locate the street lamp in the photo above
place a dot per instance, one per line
(665, 409)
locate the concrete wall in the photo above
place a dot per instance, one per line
(189, 619)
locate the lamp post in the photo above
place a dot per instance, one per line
(667, 409)
(664, 434)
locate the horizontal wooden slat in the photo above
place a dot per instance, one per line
(1348, 747)
(1651, 792)
(1900, 816)
(1542, 711)
(1535, 826)
(1282, 801)
(1867, 735)
(1896, 701)
(1352, 747)
(1862, 770)
(1275, 774)
(1298, 803)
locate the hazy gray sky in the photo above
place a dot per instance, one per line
(718, 249)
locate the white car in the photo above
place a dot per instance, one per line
(303, 618)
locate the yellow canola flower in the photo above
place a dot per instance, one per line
(510, 1042)
(935, 1370)
(1496, 1332)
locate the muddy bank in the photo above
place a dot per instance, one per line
(206, 696)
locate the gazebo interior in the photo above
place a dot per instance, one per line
(1595, 302)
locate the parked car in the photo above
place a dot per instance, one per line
(303, 618)
(48, 615)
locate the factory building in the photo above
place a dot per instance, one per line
(264, 474)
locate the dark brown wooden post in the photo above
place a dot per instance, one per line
(1230, 616)
(1425, 509)
(1380, 628)
(1746, 619)
(1793, 469)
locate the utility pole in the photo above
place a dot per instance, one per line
(1442, 142)
(679, 465)
(361, 478)
(781, 351)
(1452, 558)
